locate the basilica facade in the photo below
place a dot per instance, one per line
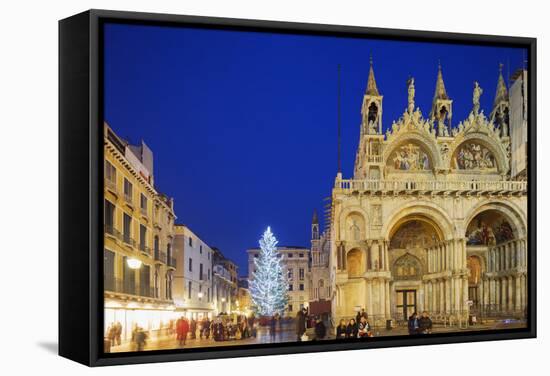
(435, 215)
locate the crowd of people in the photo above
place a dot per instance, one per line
(358, 327)
(222, 328)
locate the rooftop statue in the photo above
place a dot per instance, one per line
(477, 94)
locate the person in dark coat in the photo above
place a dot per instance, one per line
(352, 330)
(273, 326)
(193, 329)
(300, 324)
(413, 324)
(341, 330)
(364, 328)
(425, 324)
(320, 329)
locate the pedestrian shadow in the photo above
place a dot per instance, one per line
(50, 347)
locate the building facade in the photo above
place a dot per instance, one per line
(432, 219)
(225, 284)
(138, 235)
(296, 264)
(320, 290)
(193, 276)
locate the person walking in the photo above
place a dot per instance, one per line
(320, 329)
(352, 331)
(413, 324)
(425, 324)
(193, 328)
(273, 327)
(182, 328)
(300, 324)
(140, 338)
(341, 330)
(118, 333)
(206, 328)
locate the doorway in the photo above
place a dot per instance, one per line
(406, 303)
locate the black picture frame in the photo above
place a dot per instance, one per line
(81, 186)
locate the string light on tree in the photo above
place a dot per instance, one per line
(268, 287)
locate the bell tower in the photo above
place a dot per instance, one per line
(500, 115)
(368, 159)
(371, 110)
(442, 107)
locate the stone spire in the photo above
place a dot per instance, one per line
(371, 84)
(315, 220)
(502, 92)
(501, 106)
(440, 92)
(442, 110)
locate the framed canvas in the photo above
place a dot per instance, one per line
(237, 187)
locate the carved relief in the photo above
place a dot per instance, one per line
(376, 214)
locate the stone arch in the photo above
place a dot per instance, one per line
(491, 144)
(507, 209)
(426, 141)
(346, 220)
(422, 210)
(356, 262)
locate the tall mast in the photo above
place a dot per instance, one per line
(339, 127)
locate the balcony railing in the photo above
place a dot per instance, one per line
(128, 199)
(128, 240)
(111, 230)
(143, 211)
(112, 284)
(160, 256)
(171, 261)
(374, 158)
(144, 249)
(350, 185)
(111, 184)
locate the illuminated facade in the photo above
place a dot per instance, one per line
(434, 217)
(193, 277)
(138, 236)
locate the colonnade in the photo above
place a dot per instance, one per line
(504, 285)
(445, 283)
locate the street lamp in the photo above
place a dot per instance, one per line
(133, 263)
(200, 295)
(223, 300)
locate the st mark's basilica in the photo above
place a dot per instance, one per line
(435, 215)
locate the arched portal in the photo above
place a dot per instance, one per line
(409, 242)
(495, 233)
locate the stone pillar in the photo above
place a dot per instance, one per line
(370, 297)
(517, 291)
(382, 298)
(387, 255)
(447, 296)
(441, 296)
(388, 304)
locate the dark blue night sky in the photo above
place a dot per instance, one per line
(243, 125)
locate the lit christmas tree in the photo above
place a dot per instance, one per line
(268, 287)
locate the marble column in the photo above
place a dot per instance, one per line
(387, 286)
(370, 297)
(447, 295)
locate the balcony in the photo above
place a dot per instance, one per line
(160, 256)
(171, 262)
(144, 249)
(117, 285)
(128, 240)
(111, 185)
(128, 199)
(113, 232)
(403, 186)
(143, 211)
